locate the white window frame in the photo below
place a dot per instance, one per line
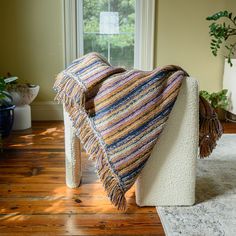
(70, 32)
(144, 32)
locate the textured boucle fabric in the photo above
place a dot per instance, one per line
(118, 115)
(168, 177)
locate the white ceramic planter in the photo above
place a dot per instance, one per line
(22, 117)
(229, 82)
(23, 94)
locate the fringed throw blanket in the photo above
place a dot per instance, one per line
(119, 114)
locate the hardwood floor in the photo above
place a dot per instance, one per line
(229, 128)
(35, 201)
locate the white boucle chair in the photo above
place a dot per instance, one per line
(169, 175)
(168, 178)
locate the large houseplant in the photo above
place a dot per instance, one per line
(223, 31)
(6, 107)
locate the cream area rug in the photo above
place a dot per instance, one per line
(214, 213)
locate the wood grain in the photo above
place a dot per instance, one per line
(35, 201)
(229, 128)
(84, 224)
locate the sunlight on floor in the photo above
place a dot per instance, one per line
(28, 136)
(22, 145)
(51, 131)
(14, 217)
(47, 136)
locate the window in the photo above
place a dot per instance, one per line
(121, 30)
(108, 28)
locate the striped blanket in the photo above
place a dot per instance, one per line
(119, 114)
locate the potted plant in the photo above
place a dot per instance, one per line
(6, 107)
(223, 33)
(23, 95)
(218, 100)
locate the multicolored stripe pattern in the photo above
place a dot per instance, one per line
(118, 115)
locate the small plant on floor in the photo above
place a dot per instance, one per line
(5, 97)
(218, 100)
(20, 86)
(6, 107)
(22, 92)
(223, 33)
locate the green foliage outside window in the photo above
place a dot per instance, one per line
(122, 44)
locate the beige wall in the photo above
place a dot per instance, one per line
(31, 41)
(182, 38)
(7, 37)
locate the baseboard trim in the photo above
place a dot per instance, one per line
(48, 110)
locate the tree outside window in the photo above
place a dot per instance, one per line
(122, 44)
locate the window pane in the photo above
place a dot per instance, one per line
(117, 46)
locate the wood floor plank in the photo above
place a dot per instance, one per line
(77, 205)
(34, 199)
(44, 135)
(86, 224)
(229, 128)
(19, 190)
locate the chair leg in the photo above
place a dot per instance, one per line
(72, 154)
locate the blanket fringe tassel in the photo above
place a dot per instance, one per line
(71, 94)
(210, 128)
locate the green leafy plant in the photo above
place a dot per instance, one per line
(221, 33)
(122, 44)
(217, 100)
(5, 97)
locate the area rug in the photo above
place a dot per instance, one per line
(214, 213)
